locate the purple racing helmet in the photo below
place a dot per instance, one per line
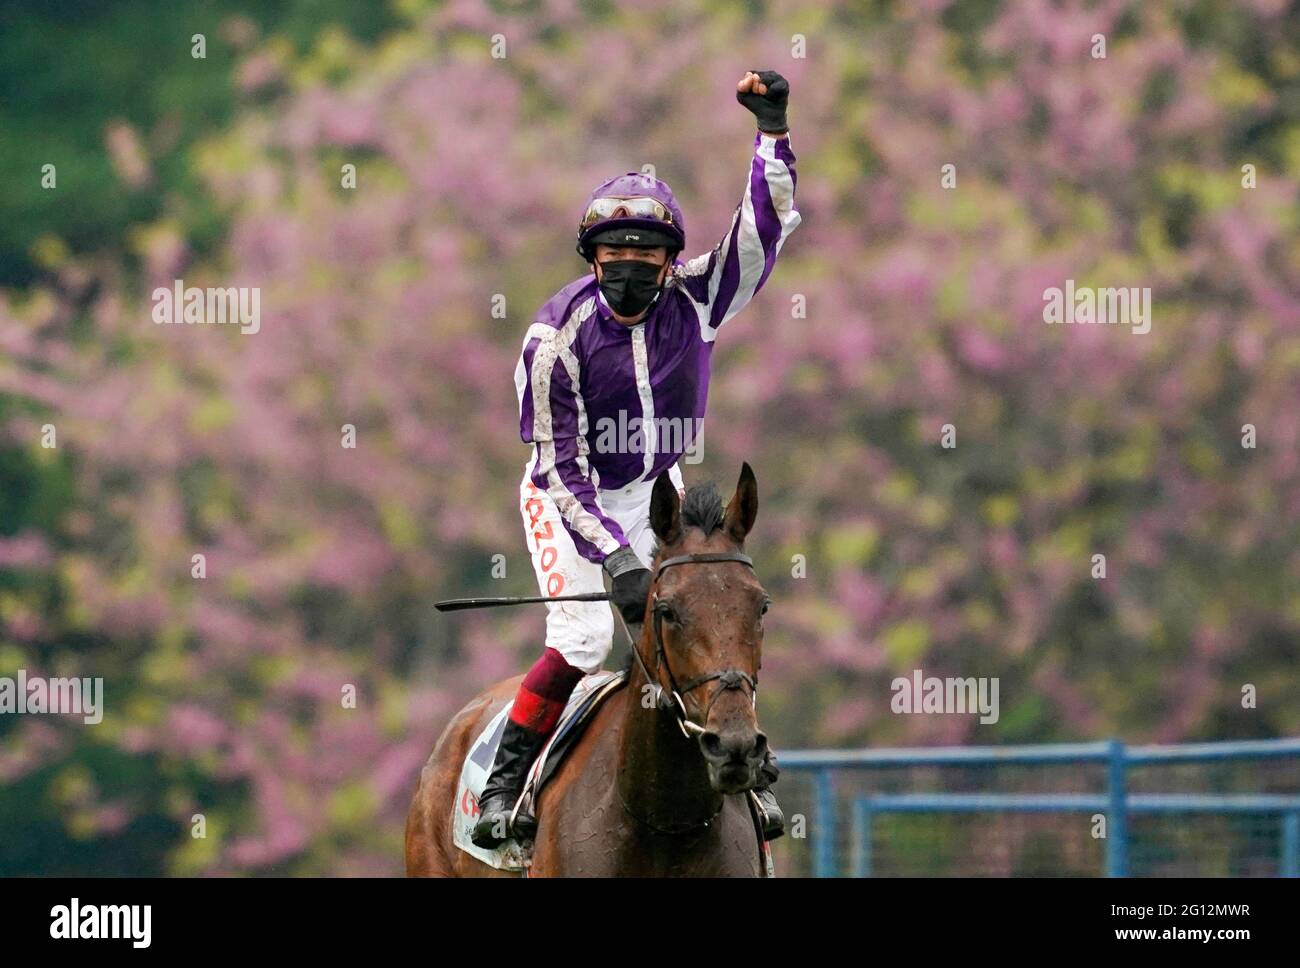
(632, 209)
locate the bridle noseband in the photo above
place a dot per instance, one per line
(729, 678)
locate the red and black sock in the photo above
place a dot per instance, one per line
(543, 693)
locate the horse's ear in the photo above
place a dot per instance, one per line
(665, 510)
(743, 508)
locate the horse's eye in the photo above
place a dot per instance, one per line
(667, 613)
(767, 604)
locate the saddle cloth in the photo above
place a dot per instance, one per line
(585, 700)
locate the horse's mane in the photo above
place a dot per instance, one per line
(702, 508)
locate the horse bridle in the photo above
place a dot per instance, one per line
(730, 678)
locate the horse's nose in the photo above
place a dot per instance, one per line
(736, 746)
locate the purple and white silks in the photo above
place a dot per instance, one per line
(581, 370)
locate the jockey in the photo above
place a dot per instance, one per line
(625, 347)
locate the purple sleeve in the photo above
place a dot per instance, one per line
(726, 279)
(553, 420)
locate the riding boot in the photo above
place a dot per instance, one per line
(519, 747)
(773, 818)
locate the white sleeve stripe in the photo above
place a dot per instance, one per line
(752, 259)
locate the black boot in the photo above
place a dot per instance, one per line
(773, 819)
(519, 746)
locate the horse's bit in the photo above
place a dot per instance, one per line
(730, 678)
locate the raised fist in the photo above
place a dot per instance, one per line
(765, 94)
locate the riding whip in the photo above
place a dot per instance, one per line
(457, 604)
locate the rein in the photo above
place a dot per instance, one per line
(729, 678)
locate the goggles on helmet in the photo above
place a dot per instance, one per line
(616, 207)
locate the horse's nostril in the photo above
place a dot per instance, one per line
(760, 746)
(711, 743)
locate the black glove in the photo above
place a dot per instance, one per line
(631, 584)
(769, 108)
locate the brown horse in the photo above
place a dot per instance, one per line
(656, 785)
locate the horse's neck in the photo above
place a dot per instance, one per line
(662, 776)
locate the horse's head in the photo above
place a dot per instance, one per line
(704, 632)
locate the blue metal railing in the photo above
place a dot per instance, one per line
(1115, 803)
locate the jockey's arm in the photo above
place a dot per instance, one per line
(722, 282)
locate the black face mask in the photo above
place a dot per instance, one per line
(629, 285)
